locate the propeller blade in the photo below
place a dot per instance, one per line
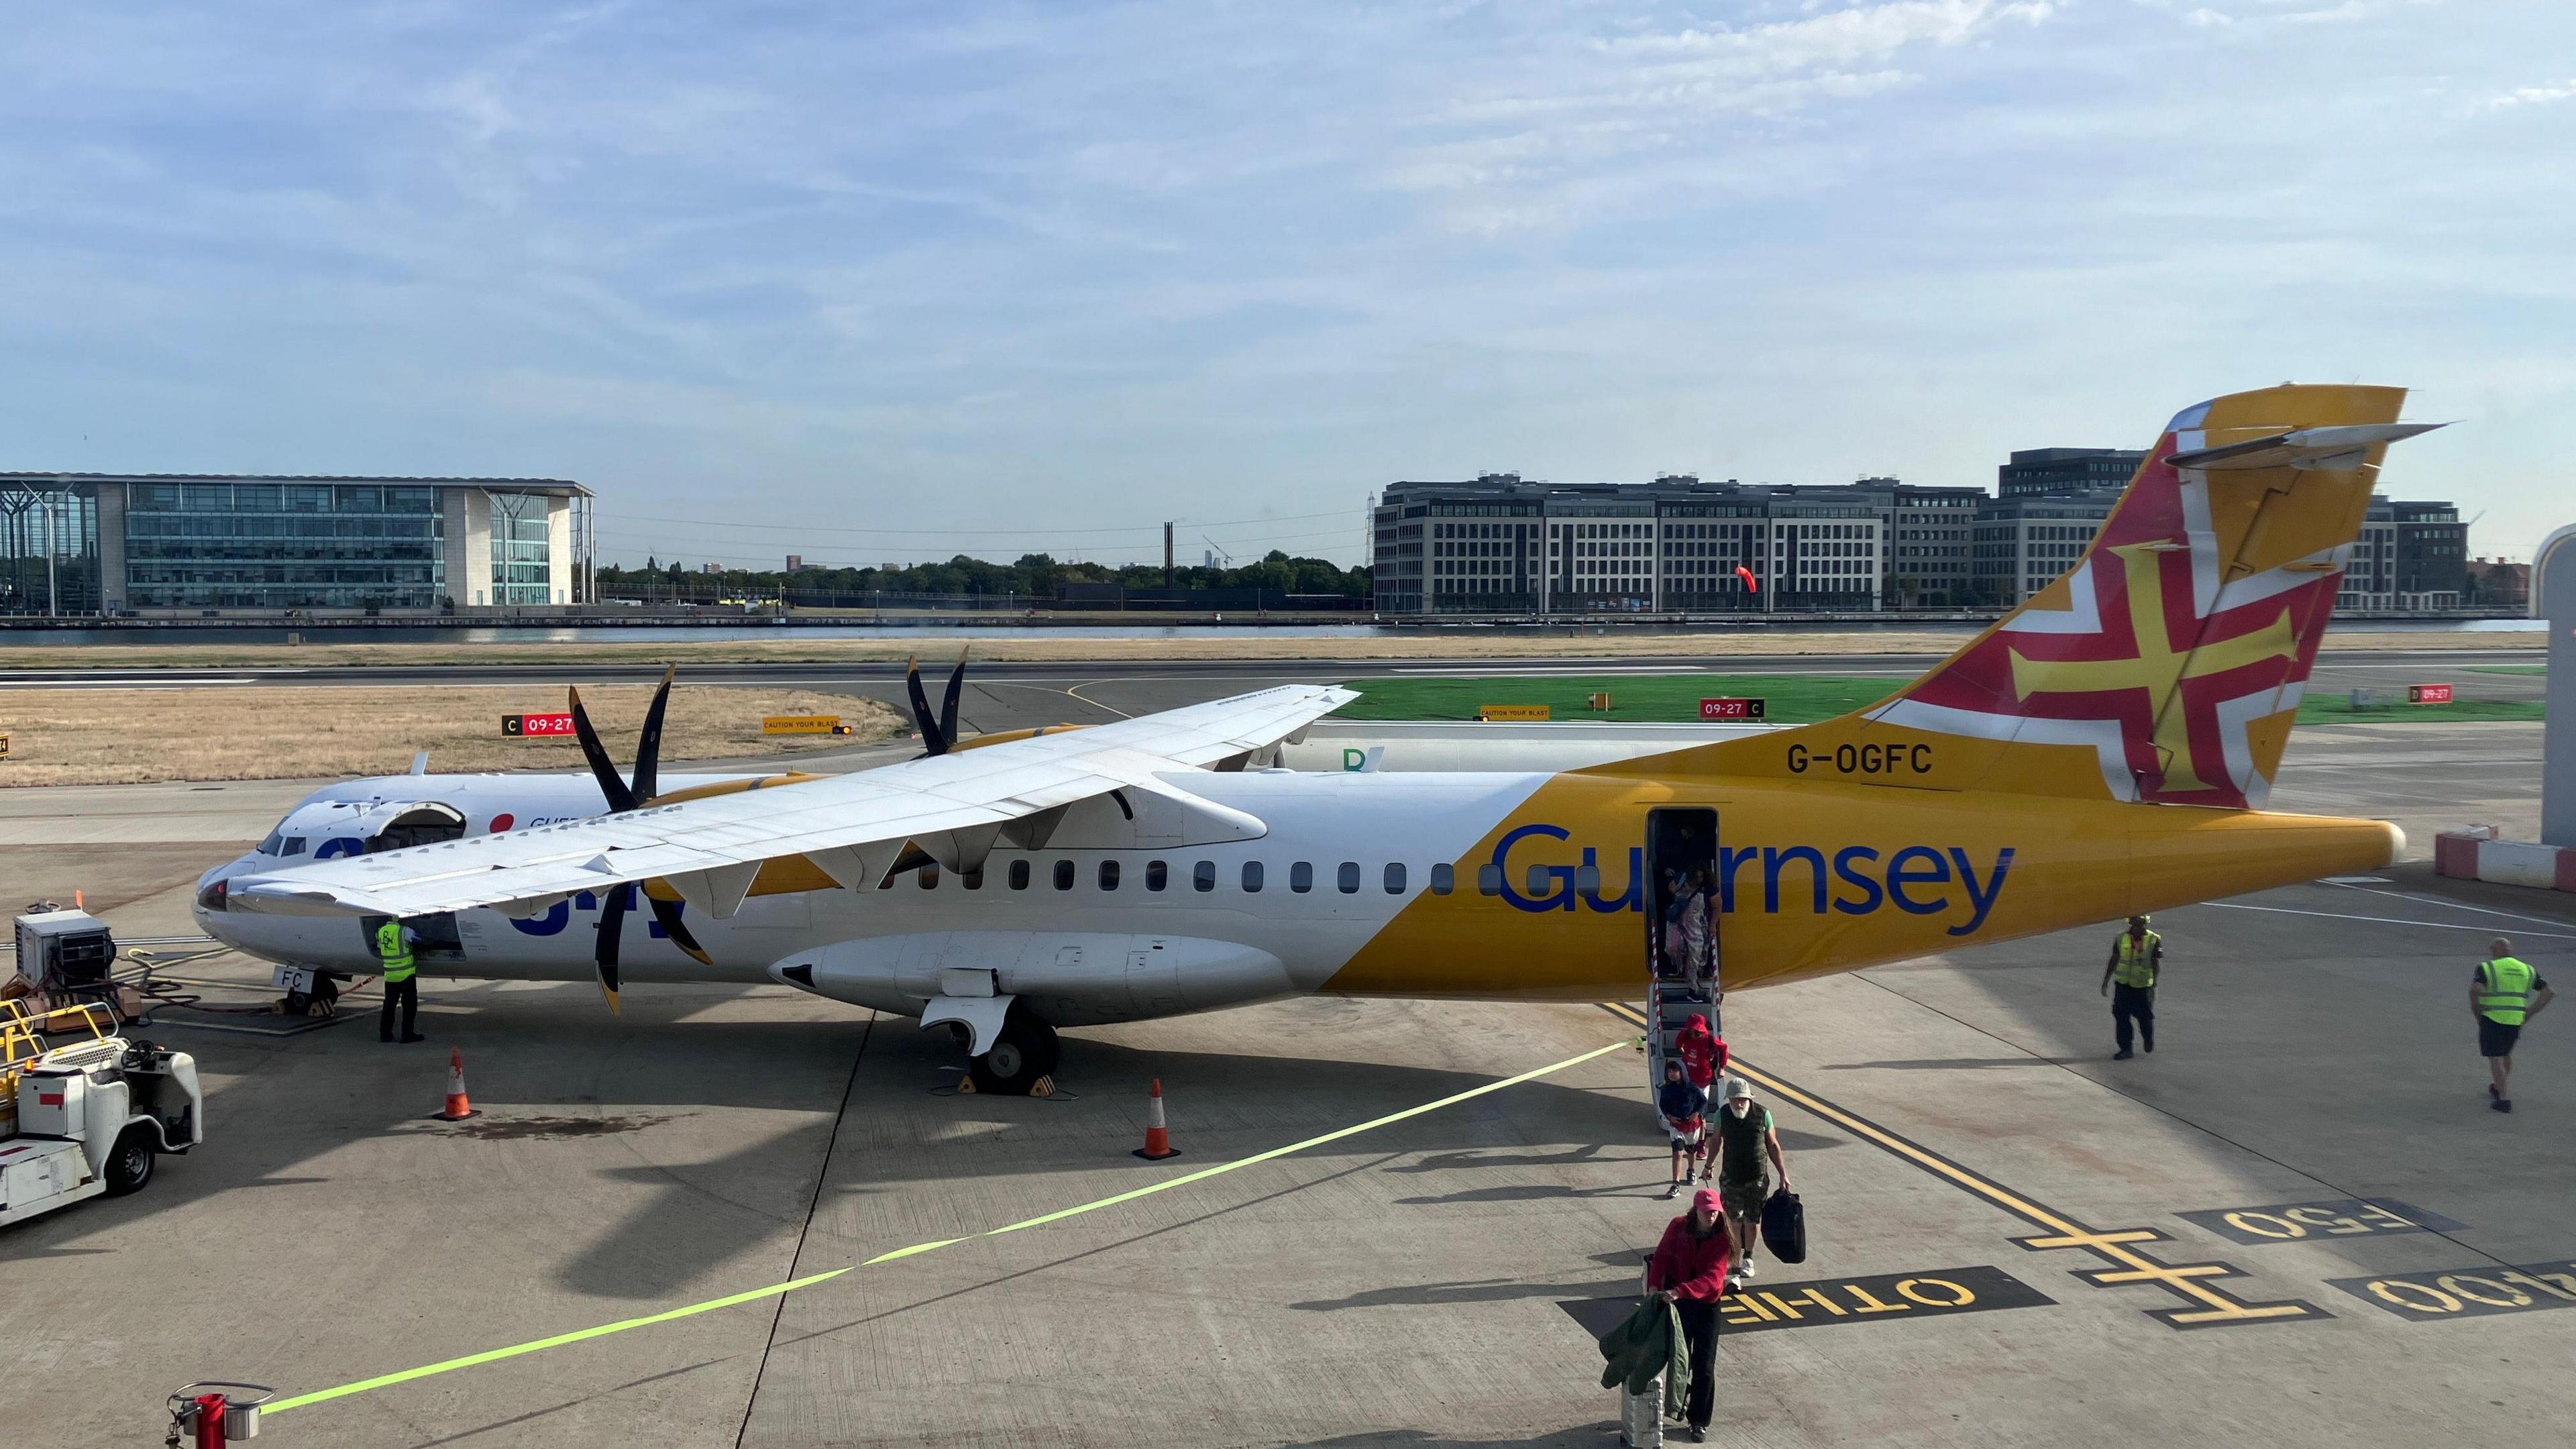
(668, 913)
(611, 784)
(932, 741)
(612, 928)
(948, 706)
(648, 746)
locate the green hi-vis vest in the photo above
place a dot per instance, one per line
(2504, 990)
(2135, 959)
(391, 951)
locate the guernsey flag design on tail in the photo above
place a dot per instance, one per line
(2167, 666)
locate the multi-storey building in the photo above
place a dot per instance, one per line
(2022, 544)
(2412, 557)
(1501, 543)
(1929, 534)
(2036, 471)
(85, 543)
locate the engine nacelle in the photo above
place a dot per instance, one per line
(1069, 978)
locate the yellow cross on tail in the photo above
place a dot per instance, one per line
(2159, 667)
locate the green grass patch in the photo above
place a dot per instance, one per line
(2508, 669)
(1652, 698)
(2337, 709)
(1790, 699)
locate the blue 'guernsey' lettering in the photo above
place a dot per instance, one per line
(1852, 880)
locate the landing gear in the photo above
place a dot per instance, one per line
(1023, 1051)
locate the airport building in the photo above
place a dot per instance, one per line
(2022, 544)
(163, 544)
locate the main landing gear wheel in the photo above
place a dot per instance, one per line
(1023, 1051)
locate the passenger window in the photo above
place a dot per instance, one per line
(1064, 875)
(1587, 879)
(1157, 875)
(1537, 880)
(1203, 876)
(972, 880)
(1251, 877)
(928, 875)
(1019, 875)
(1489, 879)
(1109, 875)
(1348, 877)
(1444, 879)
(1301, 877)
(1394, 879)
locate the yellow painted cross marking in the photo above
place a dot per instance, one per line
(2159, 668)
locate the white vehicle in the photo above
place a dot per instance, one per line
(91, 1117)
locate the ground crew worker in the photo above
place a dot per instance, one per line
(1688, 1271)
(394, 943)
(2503, 994)
(1745, 1136)
(1681, 1105)
(2137, 955)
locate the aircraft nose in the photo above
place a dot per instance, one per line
(213, 897)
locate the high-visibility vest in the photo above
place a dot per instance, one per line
(2504, 990)
(393, 952)
(2135, 959)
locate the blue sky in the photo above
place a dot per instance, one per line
(877, 282)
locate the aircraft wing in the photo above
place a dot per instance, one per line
(957, 805)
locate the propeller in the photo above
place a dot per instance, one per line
(938, 736)
(623, 796)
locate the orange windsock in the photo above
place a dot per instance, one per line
(1158, 1138)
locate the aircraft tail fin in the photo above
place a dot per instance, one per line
(2168, 663)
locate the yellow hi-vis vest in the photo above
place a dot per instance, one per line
(2504, 990)
(390, 950)
(2135, 959)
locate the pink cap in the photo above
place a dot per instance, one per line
(1705, 1200)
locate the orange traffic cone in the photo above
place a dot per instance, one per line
(1158, 1140)
(458, 1109)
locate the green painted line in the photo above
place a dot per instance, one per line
(476, 1360)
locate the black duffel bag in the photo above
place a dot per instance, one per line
(1784, 1227)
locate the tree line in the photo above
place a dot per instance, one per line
(1033, 576)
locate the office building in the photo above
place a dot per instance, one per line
(86, 543)
(1501, 543)
(1930, 539)
(2412, 557)
(2020, 545)
(2034, 472)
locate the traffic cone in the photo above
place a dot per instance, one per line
(458, 1109)
(1158, 1140)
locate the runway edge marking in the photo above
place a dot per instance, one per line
(2204, 1306)
(495, 1355)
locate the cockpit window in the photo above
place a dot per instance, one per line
(272, 845)
(294, 845)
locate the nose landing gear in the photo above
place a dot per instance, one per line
(1023, 1051)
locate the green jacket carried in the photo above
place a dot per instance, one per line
(1648, 1343)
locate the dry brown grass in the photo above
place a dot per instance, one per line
(132, 736)
(1040, 646)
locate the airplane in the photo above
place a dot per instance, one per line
(2101, 750)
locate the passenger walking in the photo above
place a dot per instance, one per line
(1744, 1137)
(1688, 1271)
(394, 943)
(2503, 994)
(1703, 1057)
(1698, 929)
(2137, 957)
(1684, 1110)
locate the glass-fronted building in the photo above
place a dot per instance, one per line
(157, 544)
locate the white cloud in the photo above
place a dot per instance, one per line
(2541, 95)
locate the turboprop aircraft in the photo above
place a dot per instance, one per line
(2101, 750)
